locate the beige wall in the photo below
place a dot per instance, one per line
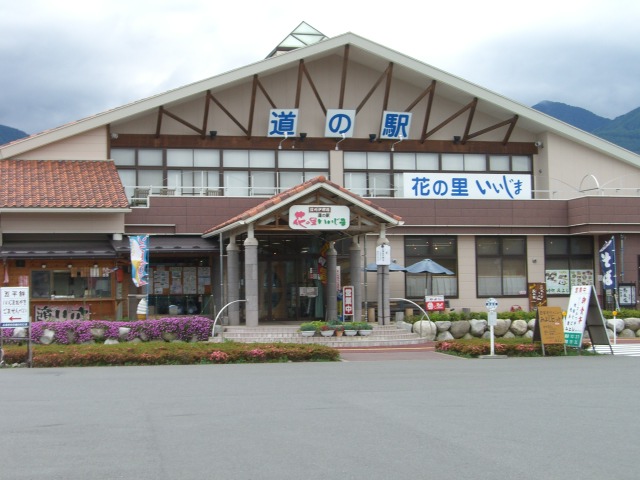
(91, 145)
(52, 223)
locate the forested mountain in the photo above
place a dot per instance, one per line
(8, 134)
(623, 130)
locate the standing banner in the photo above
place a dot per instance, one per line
(139, 259)
(608, 264)
(584, 312)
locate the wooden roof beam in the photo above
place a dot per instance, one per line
(373, 89)
(451, 118)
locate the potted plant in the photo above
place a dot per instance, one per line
(308, 329)
(364, 328)
(327, 330)
(350, 329)
(339, 329)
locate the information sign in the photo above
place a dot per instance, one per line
(14, 309)
(491, 304)
(434, 302)
(347, 300)
(580, 315)
(550, 326)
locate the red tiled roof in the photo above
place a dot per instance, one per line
(60, 184)
(283, 196)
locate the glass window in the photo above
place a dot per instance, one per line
(356, 183)
(263, 183)
(290, 179)
(235, 158)
(123, 156)
(355, 161)
(521, 163)
(150, 158)
(568, 263)
(452, 161)
(380, 185)
(317, 160)
(442, 250)
(152, 178)
(475, 163)
(206, 158)
(378, 161)
(501, 266)
(262, 159)
(499, 163)
(236, 183)
(427, 161)
(404, 161)
(73, 283)
(179, 157)
(290, 159)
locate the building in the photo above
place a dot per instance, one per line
(505, 197)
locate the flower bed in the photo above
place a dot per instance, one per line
(187, 329)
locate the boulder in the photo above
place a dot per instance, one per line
(169, 336)
(632, 323)
(618, 323)
(20, 332)
(529, 334)
(444, 337)
(502, 327)
(509, 334)
(531, 324)
(97, 333)
(477, 327)
(111, 341)
(123, 332)
(443, 325)
(627, 333)
(47, 337)
(519, 327)
(425, 329)
(459, 328)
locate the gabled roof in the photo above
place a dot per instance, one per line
(55, 184)
(361, 51)
(283, 200)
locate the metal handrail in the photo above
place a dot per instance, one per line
(215, 321)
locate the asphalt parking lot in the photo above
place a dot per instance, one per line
(431, 417)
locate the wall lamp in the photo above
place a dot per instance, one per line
(394, 144)
(372, 137)
(69, 266)
(212, 134)
(286, 135)
(44, 265)
(114, 136)
(538, 144)
(342, 139)
(303, 135)
(456, 139)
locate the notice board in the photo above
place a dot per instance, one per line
(584, 312)
(549, 326)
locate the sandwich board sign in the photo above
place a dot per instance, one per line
(584, 312)
(549, 327)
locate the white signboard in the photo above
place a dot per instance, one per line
(395, 125)
(283, 122)
(14, 307)
(319, 217)
(491, 304)
(576, 318)
(383, 254)
(340, 123)
(474, 186)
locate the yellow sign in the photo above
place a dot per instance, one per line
(550, 325)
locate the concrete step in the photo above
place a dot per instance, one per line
(381, 335)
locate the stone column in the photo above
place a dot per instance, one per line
(355, 260)
(251, 279)
(332, 286)
(384, 309)
(233, 281)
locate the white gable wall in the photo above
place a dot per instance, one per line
(90, 145)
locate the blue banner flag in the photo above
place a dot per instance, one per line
(139, 259)
(608, 264)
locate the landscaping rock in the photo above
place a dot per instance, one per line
(169, 337)
(618, 323)
(425, 329)
(97, 333)
(627, 333)
(519, 327)
(509, 334)
(529, 334)
(444, 337)
(477, 327)
(111, 341)
(123, 332)
(531, 324)
(443, 325)
(460, 328)
(20, 332)
(502, 327)
(632, 323)
(47, 337)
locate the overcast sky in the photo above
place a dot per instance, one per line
(65, 60)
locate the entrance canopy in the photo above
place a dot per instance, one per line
(272, 216)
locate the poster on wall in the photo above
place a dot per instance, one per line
(557, 281)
